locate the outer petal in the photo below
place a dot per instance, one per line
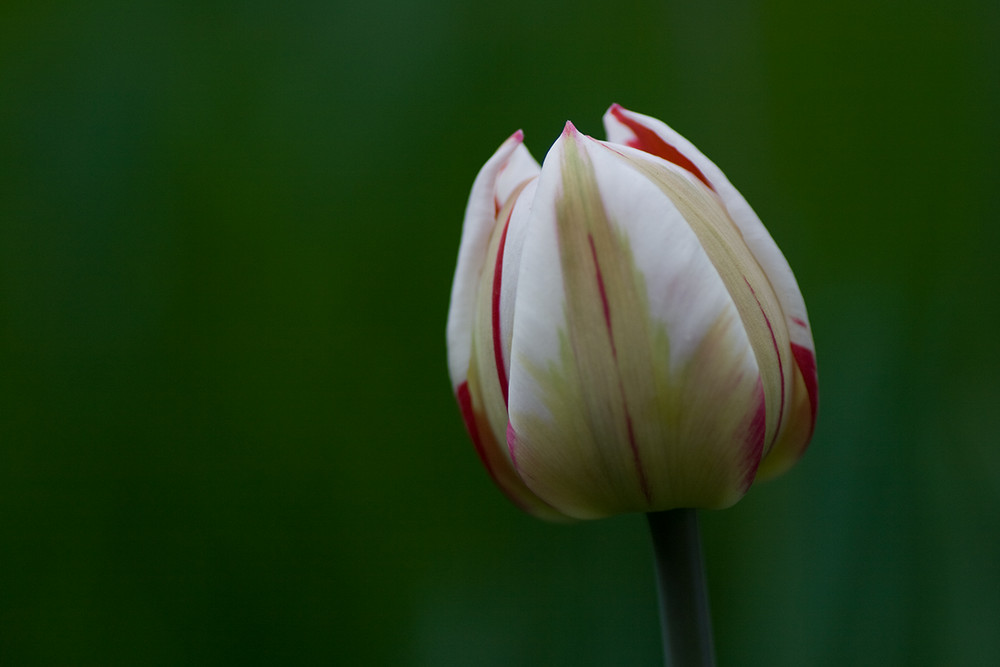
(476, 368)
(655, 137)
(487, 382)
(614, 399)
(480, 219)
(745, 281)
(711, 400)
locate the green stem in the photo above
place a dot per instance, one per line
(680, 575)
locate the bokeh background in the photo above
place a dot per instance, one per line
(227, 236)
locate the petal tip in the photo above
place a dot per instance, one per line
(618, 112)
(514, 140)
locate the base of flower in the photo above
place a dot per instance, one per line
(683, 592)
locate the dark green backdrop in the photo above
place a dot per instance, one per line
(227, 236)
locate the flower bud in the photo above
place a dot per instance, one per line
(624, 335)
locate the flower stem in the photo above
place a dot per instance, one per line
(680, 576)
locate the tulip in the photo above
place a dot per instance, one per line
(624, 335)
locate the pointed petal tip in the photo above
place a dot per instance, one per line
(612, 114)
(570, 130)
(618, 112)
(616, 119)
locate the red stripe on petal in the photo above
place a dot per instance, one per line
(469, 417)
(806, 361)
(777, 354)
(649, 141)
(497, 284)
(639, 470)
(800, 322)
(508, 483)
(633, 445)
(604, 295)
(512, 445)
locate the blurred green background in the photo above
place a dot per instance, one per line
(227, 237)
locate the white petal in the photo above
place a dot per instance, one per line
(519, 168)
(617, 123)
(517, 231)
(702, 437)
(480, 218)
(625, 127)
(686, 294)
(494, 313)
(550, 440)
(600, 410)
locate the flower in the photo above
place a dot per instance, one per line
(624, 335)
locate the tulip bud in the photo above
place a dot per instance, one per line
(624, 335)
